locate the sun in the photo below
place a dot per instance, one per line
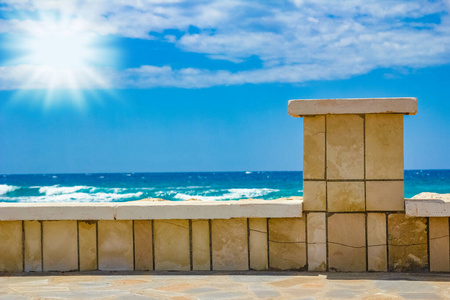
(61, 49)
(62, 56)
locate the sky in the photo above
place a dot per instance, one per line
(179, 86)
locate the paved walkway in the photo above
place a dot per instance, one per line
(249, 285)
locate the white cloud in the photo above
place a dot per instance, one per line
(295, 41)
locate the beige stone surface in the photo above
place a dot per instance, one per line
(258, 244)
(384, 146)
(143, 245)
(115, 245)
(314, 147)
(287, 243)
(345, 196)
(439, 245)
(172, 245)
(201, 258)
(32, 246)
(427, 207)
(385, 196)
(314, 195)
(59, 245)
(305, 107)
(317, 241)
(345, 147)
(153, 210)
(87, 245)
(229, 244)
(11, 246)
(407, 240)
(376, 242)
(347, 242)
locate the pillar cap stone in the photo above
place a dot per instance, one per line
(313, 107)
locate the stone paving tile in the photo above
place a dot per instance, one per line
(251, 285)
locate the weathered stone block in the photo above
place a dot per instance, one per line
(407, 240)
(87, 239)
(11, 246)
(345, 196)
(258, 244)
(115, 245)
(439, 245)
(229, 244)
(314, 195)
(287, 239)
(376, 242)
(32, 246)
(345, 147)
(201, 258)
(384, 146)
(317, 241)
(385, 196)
(59, 244)
(143, 245)
(314, 147)
(172, 245)
(347, 242)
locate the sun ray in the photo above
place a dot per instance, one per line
(59, 55)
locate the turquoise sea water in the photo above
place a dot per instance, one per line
(207, 186)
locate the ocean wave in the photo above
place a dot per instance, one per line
(58, 190)
(74, 197)
(231, 194)
(5, 189)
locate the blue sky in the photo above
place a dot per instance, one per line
(96, 86)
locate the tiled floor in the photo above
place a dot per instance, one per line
(249, 285)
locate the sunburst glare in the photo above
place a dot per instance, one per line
(61, 55)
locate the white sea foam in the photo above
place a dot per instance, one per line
(230, 194)
(58, 190)
(73, 197)
(4, 188)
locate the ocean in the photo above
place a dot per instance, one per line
(207, 186)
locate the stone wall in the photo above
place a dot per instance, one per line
(353, 188)
(113, 245)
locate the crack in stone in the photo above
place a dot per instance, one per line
(280, 242)
(344, 245)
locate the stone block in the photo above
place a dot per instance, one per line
(143, 245)
(347, 242)
(345, 147)
(87, 245)
(258, 244)
(32, 246)
(317, 241)
(172, 245)
(439, 245)
(229, 244)
(314, 147)
(115, 245)
(11, 246)
(60, 246)
(385, 196)
(384, 146)
(287, 244)
(201, 256)
(376, 242)
(345, 196)
(407, 240)
(314, 195)
(306, 107)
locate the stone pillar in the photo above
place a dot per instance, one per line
(352, 176)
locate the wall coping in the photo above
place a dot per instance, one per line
(142, 210)
(427, 207)
(308, 107)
